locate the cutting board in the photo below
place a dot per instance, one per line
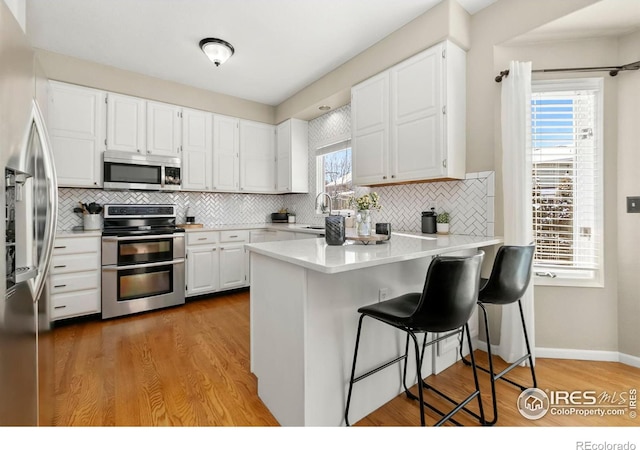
(353, 236)
(188, 226)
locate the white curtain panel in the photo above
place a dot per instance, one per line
(516, 176)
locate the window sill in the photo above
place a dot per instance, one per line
(567, 282)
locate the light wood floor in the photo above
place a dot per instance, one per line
(189, 366)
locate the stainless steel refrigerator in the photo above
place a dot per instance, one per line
(30, 209)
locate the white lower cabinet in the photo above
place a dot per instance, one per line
(257, 236)
(202, 269)
(285, 235)
(234, 260)
(74, 279)
(232, 266)
(216, 261)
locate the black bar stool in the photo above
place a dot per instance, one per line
(509, 279)
(444, 306)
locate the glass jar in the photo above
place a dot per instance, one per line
(363, 222)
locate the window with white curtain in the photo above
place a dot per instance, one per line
(334, 174)
(567, 183)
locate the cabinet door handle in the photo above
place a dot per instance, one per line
(384, 177)
(393, 176)
(59, 286)
(59, 307)
(60, 266)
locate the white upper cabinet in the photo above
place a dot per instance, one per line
(126, 123)
(257, 157)
(292, 156)
(163, 129)
(218, 152)
(409, 121)
(140, 126)
(76, 126)
(197, 150)
(226, 149)
(370, 130)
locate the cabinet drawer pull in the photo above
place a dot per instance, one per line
(59, 307)
(202, 239)
(59, 286)
(60, 266)
(384, 177)
(235, 236)
(60, 246)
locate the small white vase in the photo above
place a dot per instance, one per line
(442, 228)
(363, 222)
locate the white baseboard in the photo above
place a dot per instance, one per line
(587, 355)
(630, 360)
(570, 353)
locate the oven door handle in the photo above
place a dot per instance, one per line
(141, 238)
(143, 266)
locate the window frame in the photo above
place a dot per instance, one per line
(336, 145)
(569, 277)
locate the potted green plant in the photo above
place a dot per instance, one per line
(442, 223)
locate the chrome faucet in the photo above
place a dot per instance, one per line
(322, 208)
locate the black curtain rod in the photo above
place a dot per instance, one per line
(613, 70)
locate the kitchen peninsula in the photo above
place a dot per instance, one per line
(304, 300)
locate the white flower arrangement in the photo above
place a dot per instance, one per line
(366, 201)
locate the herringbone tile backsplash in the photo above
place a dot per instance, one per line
(470, 202)
(209, 208)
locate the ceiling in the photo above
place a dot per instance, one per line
(281, 46)
(606, 18)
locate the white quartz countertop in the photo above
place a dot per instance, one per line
(316, 255)
(79, 233)
(295, 227)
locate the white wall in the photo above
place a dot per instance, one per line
(628, 175)
(85, 73)
(19, 10)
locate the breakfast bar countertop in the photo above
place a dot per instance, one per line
(316, 254)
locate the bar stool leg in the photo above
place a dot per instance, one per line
(526, 341)
(419, 375)
(353, 371)
(483, 421)
(491, 372)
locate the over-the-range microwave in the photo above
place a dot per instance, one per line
(124, 170)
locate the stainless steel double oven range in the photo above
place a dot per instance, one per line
(143, 259)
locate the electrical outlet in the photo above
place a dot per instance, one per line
(633, 204)
(383, 294)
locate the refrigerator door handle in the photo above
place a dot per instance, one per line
(40, 281)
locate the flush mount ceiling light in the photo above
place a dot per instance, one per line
(324, 108)
(217, 50)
